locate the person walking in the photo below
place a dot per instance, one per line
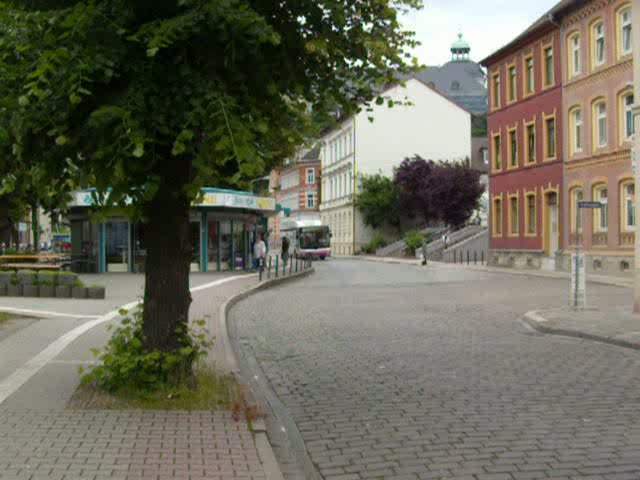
(260, 252)
(285, 251)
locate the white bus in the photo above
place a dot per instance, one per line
(307, 238)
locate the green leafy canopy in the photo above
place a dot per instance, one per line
(111, 93)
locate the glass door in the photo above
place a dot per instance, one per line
(212, 246)
(194, 233)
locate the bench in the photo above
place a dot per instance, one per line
(32, 266)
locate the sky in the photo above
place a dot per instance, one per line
(486, 24)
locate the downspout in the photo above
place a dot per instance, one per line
(355, 183)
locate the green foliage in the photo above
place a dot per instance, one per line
(126, 363)
(47, 278)
(46, 282)
(14, 280)
(378, 201)
(377, 242)
(414, 240)
(78, 283)
(479, 126)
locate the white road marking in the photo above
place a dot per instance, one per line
(17, 379)
(43, 313)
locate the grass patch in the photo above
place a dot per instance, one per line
(4, 317)
(208, 391)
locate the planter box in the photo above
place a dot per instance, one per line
(3, 290)
(27, 278)
(5, 278)
(97, 293)
(67, 279)
(63, 291)
(48, 278)
(79, 292)
(14, 290)
(47, 291)
(30, 291)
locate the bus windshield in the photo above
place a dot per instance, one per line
(315, 237)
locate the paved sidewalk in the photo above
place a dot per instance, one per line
(41, 439)
(616, 325)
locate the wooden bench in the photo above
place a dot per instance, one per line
(32, 266)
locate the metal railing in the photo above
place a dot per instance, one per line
(279, 269)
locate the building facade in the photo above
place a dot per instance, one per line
(433, 126)
(296, 189)
(525, 127)
(598, 100)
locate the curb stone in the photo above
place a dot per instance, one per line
(227, 358)
(536, 321)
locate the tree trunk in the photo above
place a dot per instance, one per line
(167, 241)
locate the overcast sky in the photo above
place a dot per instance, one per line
(487, 25)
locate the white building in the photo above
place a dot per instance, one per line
(432, 126)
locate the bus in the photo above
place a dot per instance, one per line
(307, 238)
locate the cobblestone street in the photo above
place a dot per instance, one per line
(398, 372)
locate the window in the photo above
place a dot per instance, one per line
(547, 59)
(601, 215)
(496, 90)
(626, 112)
(599, 124)
(628, 207)
(574, 54)
(311, 176)
(530, 84)
(550, 137)
(531, 213)
(597, 44)
(497, 152)
(575, 119)
(497, 217)
(311, 200)
(576, 218)
(625, 41)
(513, 148)
(514, 224)
(530, 152)
(511, 90)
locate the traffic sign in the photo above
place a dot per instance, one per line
(590, 204)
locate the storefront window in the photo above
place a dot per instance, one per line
(239, 245)
(85, 246)
(195, 246)
(212, 246)
(225, 245)
(117, 246)
(138, 245)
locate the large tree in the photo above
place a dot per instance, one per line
(148, 100)
(378, 201)
(447, 192)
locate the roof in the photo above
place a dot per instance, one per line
(545, 21)
(460, 44)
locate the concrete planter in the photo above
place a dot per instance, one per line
(3, 290)
(27, 278)
(67, 279)
(5, 278)
(63, 291)
(96, 293)
(47, 291)
(30, 291)
(14, 290)
(79, 292)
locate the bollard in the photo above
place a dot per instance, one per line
(475, 257)
(269, 271)
(468, 258)
(297, 261)
(276, 267)
(482, 261)
(259, 273)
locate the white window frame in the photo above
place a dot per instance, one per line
(599, 34)
(601, 137)
(311, 179)
(625, 25)
(310, 196)
(627, 116)
(577, 124)
(601, 215)
(574, 41)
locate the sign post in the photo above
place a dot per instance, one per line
(578, 298)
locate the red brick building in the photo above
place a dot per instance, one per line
(525, 127)
(296, 188)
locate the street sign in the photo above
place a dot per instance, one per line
(590, 204)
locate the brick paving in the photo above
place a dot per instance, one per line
(95, 445)
(394, 372)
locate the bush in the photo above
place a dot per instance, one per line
(126, 364)
(414, 240)
(376, 243)
(47, 278)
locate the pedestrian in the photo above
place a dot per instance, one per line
(285, 251)
(446, 241)
(260, 252)
(424, 252)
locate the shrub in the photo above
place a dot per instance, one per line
(47, 278)
(414, 240)
(127, 364)
(377, 242)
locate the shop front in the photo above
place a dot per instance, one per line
(224, 224)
